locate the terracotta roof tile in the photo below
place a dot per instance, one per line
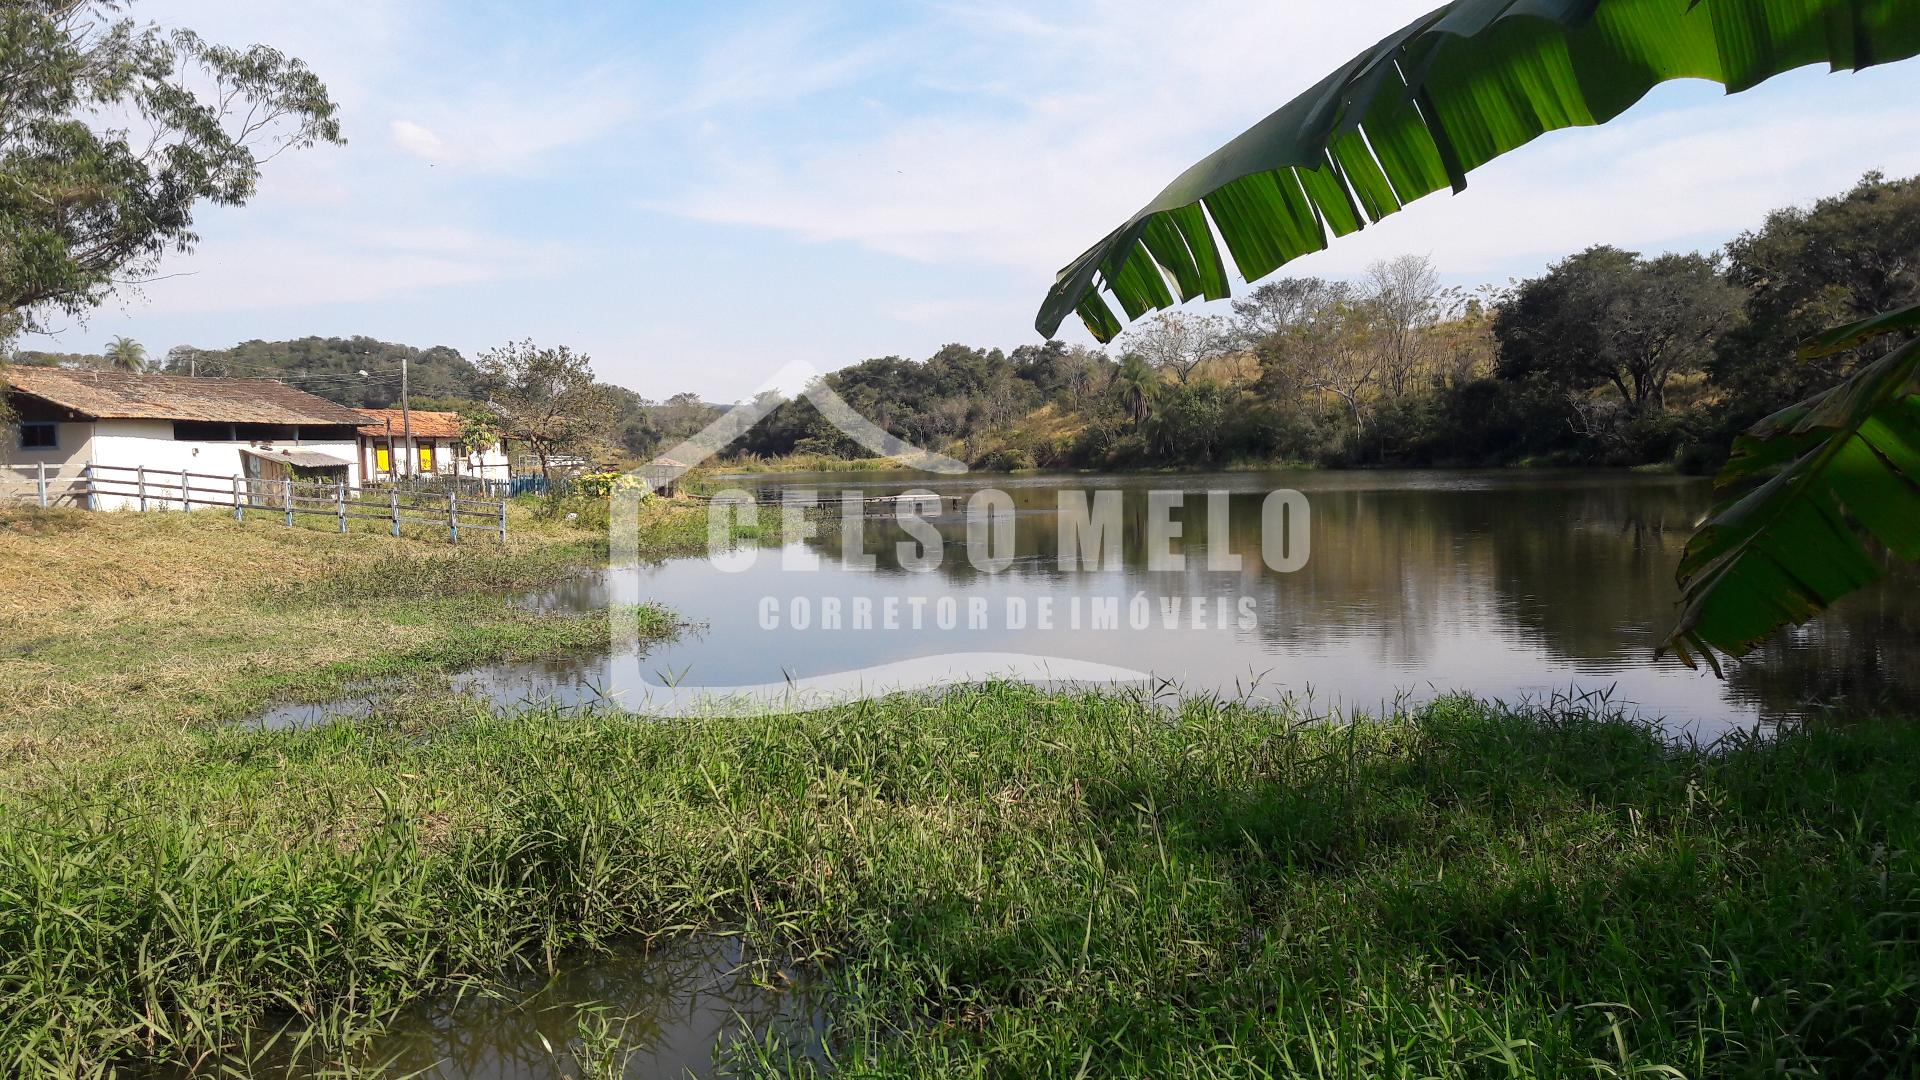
(426, 425)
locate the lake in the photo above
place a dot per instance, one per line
(1514, 584)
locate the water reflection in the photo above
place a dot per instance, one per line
(681, 1009)
(1509, 584)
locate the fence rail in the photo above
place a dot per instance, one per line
(102, 487)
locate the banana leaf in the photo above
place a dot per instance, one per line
(1832, 473)
(1451, 91)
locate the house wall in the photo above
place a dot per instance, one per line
(150, 443)
(19, 468)
(490, 464)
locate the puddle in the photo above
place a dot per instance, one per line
(357, 704)
(686, 1008)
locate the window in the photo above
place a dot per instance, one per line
(39, 435)
(201, 431)
(266, 432)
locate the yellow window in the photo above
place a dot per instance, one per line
(382, 459)
(426, 457)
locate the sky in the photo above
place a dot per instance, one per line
(699, 194)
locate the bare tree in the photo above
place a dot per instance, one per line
(1338, 353)
(1313, 337)
(1403, 297)
(1180, 342)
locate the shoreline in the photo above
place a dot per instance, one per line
(991, 878)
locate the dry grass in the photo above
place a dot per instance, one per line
(120, 632)
(112, 565)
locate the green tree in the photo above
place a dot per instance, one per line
(1607, 318)
(547, 399)
(126, 354)
(1471, 81)
(1137, 383)
(111, 133)
(1845, 258)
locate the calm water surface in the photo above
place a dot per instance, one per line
(685, 1008)
(1510, 584)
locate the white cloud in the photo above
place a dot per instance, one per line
(513, 126)
(418, 141)
(1042, 135)
(364, 264)
(1066, 125)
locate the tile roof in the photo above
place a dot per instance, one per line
(120, 395)
(426, 425)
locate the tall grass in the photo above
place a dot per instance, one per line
(1011, 883)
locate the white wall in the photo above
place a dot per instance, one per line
(133, 443)
(490, 464)
(19, 472)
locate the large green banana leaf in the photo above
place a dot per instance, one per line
(1455, 89)
(1842, 465)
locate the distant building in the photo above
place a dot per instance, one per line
(117, 422)
(663, 474)
(438, 448)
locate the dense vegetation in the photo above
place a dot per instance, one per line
(1607, 358)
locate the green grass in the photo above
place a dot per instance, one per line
(1002, 882)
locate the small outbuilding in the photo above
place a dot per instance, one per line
(438, 447)
(663, 474)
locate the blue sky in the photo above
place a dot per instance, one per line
(697, 194)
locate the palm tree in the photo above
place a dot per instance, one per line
(1473, 80)
(1138, 383)
(126, 354)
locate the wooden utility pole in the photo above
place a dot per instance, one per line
(406, 414)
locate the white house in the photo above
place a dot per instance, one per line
(113, 424)
(439, 447)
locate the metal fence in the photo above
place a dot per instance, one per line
(106, 487)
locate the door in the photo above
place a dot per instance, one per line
(382, 458)
(426, 459)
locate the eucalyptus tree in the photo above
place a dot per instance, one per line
(1475, 79)
(112, 133)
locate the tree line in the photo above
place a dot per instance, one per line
(1610, 357)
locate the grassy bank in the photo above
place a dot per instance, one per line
(1009, 883)
(118, 632)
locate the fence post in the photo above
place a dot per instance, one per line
(340, 494)
(43, 485)
(86, 477)
(286, 497)
(240, 501)
(140, 481)
(453, 513)
(503, 521)
(186, 498)
(393, 495)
